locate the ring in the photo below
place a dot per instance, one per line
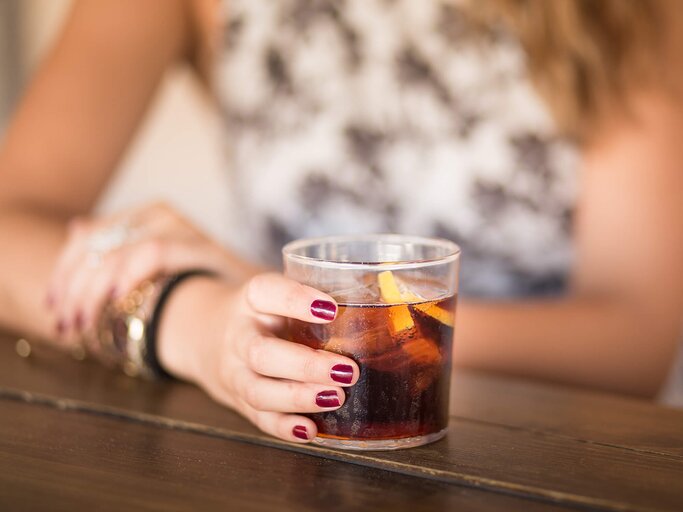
(102, 242)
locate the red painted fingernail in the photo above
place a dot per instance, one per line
(78, 320)
(327, 399)
(323, 309)
(300, 432)
(342, 373)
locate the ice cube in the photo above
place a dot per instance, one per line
(438, 313)
(341, 345)
(416, 288)
(392, 360)
(369, 343)
(423, 378)
(362, 293)
(360, 331)
(390, 289)
(425, 358)
(422, 351)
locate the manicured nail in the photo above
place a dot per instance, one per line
(327, 399)
(300, 432)
(342, 373)
(323, 309)
(78, 320)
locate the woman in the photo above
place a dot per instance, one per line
(374, 116)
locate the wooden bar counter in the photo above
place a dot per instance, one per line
(74, 436)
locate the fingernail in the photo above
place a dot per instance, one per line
(327, 399)
(61, 326)
(323, 309)
(78, 320)
(342, 373)
(300, 432)
(114, 293)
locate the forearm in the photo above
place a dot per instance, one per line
(594, 342)
(31, 242)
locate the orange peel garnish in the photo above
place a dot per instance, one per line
(401, 319)
(392, 294)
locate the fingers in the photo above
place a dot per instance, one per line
(275, 294)
(79, 300)
(273, 357)
(78, 290)
(156, 255)
(289, 427)
(276, 395)
(88, 294)
(67, 262)
(70, 254)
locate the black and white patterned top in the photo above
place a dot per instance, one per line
(347, 116)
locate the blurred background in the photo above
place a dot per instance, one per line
(177, 155)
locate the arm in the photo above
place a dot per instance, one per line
(619, 326)
(62, 146)
(68, 134)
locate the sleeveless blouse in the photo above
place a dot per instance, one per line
(360, 116)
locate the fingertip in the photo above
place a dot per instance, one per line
(79, 320)
(330, 399)
(297, 428)
(300, 433)
(345, 374)
(61, 327)
(323, 309)
(275, 294)
(303, 431)
(114, 293)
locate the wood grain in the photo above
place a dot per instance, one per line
(561, 410)
(513, 451)
(61, 460)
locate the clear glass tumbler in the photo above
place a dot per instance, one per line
(397, 297)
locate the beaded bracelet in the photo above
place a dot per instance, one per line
(128, 327)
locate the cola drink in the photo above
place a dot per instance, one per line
(404, 355)
(396, 297)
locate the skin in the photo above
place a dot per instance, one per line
(617, 329)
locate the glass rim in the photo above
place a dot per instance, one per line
(453, 251)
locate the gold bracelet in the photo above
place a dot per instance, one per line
(122, 329)
(128, 328)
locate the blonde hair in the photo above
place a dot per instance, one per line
(584, 56)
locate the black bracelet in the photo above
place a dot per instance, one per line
(151, 357)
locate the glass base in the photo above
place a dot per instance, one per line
(381, 444)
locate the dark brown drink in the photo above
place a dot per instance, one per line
(404, 354)
(396, 297)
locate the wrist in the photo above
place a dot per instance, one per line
(192, 317)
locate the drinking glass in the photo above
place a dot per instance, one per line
(396, 299)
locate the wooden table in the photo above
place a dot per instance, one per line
(76, 436)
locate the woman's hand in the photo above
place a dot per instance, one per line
(154, 239)
(223, 338)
